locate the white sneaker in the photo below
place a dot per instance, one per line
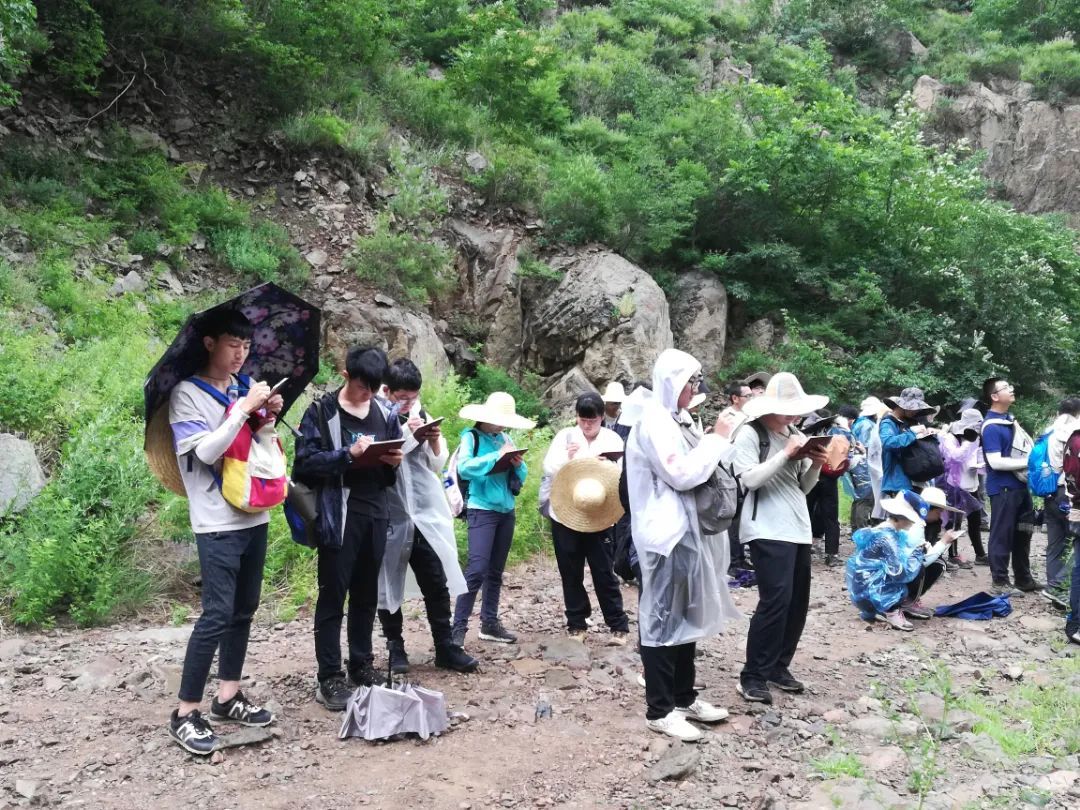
(703, 712)
(675, 725)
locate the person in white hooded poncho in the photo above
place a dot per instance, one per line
(421, 535)
(684, 594)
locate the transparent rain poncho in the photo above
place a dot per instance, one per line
(417, 501)
(885, 561)
(684, 593)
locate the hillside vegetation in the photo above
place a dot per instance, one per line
(734, 137)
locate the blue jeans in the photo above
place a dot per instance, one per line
(231, 563)
(490, 536)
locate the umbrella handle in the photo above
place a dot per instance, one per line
(296, 433)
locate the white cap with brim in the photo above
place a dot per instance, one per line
(614, 393)
(871, 406)
(498, 409)
(935, 499)
(898, 505)
(784, 396)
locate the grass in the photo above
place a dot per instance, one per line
(837, 765)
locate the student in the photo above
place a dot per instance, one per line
(353, 517)
(574, 548)
(421, 531)
(1056, 507)
(897, 429)
(231, 543)
(960, 452)
(1006, 447)
(858, 477)
(489, 511)
(614, 396)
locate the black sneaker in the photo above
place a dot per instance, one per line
(1074, 636)
(399, 660)
(497, 633)
(365, 675)
(782, 679)
(193, 733)
(830, 561)
(754, 692)
(982, 559)
(1030, 586)
(239, 710)
(453, 656)
(334, 693)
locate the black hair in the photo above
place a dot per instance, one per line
(849, 412)
(403, 375)
(988, 389)
(734, 389)
(1070, 405)
(589, 405)
(367, 364)
(227, 321)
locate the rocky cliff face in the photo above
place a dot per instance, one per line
(1032, 147)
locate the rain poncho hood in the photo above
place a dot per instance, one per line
(417, 501)
(684, 594)
(886, 559)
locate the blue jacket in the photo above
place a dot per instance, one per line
(474, 462)
(322, 462)
(895, 436)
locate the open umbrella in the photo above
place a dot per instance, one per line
(285, 344)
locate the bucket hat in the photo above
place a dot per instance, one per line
(614, 392)
(935, 499)
(871, 406)
(911, 399)
(971, 419)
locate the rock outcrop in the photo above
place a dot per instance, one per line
(699, 311)
(385, 323)
(21, 477)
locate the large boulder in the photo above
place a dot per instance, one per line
(385, 323)
(607, 316)
(699, 310)
(21, 477)
(1032, 147)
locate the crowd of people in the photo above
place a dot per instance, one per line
(636, 485)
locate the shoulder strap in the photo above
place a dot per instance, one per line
(207, 388)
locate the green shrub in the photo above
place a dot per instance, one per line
(399, 262)
(363, 142)
(261, 250)
(1054, 68)
(17, 29)
(514, 176)
(77, 42)
(577, 206)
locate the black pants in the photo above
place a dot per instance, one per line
(974, 532)
(669, 678)
(823, 501)
(231, 564)
(572, 550)
(783, 581)
(1057, 532)
(351, 570)
(925, 580)
(428, 569)
(1012, 521)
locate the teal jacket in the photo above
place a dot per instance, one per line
(491, 492)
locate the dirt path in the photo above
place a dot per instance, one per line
(82, 718)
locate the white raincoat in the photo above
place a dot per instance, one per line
(876, 464)
(417, 501)
(684, 593)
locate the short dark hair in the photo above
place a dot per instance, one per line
(367, 364)
(403, 375)
(988, 389)
(734, 389)
(589, 405)
(227, 321)
(849, 412)
(1070, 405)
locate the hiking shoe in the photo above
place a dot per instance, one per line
(1030, 586)
(782, 679)
(675, 725)
(453, 656)
(1056, 597)
(830, 561)
(1005, 589)
(577, 633)
(334, 693)
(399, 660)
(1074, 636)
(618, 638)
(703, 712)
(365, 675)
(193, 733)
(982, 559)
(964, 563)
(497, 633)
(240, 710)
(457, 638)
(754, 692)
(916, 610)
(896, 620)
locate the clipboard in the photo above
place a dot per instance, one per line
(503, 464)
(422, 433)
(370, 457)
(821, 442)
(613, 455)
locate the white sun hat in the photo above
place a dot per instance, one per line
(614, 392)
(498, 409)
(784, 396)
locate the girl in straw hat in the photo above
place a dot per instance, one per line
(581, 529)
(489, 510)
(684, 594)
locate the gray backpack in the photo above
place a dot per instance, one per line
(717, 499)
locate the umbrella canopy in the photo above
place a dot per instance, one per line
(285, 344)
(380, 712)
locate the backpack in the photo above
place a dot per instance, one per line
(253, 475)
(763, 454)
(921, 460)
(456, 487)
(1071, 462)
(1042, 477)
(828, 471)
(716, 500)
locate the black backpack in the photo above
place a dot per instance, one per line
(921, 460)
(763, 454)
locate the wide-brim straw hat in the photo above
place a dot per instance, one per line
(911, 399)
(907, 504)
(971, 419)
(498, 409)
(762, 377)
(784, 396)
(161, 454)
(871, 406)
(935, 499)
(614, 392)
(585, 495)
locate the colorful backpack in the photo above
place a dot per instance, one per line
(457, 488)
(253, 475)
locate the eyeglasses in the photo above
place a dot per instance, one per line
(695, 382)
(1003, 387)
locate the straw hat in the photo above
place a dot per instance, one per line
(161, 454)
(906, 503)
(696, 400)
(871, 406)
(614, 392)
(498, 409)
(935, 499)
(784, 396)
(585, 495)
(762, 377)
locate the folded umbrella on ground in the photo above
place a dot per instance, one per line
(381, 712)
